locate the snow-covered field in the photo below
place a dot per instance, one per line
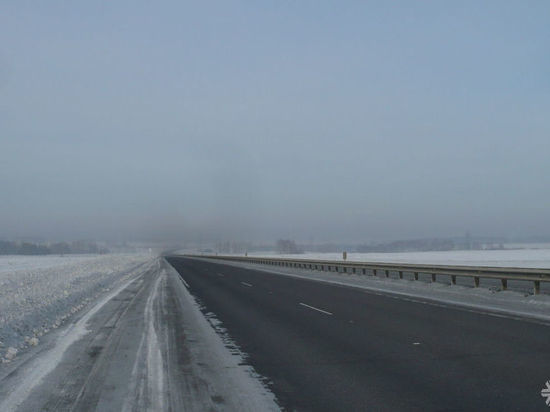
(15, 263)
(526, 258)
(39, 293)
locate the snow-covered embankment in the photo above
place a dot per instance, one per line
(38, 294)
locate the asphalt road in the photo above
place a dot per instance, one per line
(325, 347)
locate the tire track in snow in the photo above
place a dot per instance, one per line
(147, 381)
(48, 361)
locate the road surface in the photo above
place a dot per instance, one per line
(325, 347)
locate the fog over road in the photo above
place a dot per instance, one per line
(325, 347)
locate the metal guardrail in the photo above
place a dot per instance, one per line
(504, 274)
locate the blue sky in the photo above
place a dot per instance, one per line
(257, 120)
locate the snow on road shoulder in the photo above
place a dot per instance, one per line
(217, 360)
(34, 374)
(35, 300)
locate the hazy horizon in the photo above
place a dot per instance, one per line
(331, 121)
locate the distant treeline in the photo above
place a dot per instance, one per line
(288, 246)
(282, 246)
(60, 248)
(416, 245)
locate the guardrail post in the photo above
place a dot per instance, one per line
(364, 271)
(433, 277)
(345, 269)
(415, 275)
(387, 273)
(476, 281)
(536, 289)
(374, 272)
(400, 274)
(453, 279)
(504, 283)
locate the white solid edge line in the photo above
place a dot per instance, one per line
(185, 283)
(246, 284)
(317, 309)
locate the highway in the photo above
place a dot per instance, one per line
(329, 347)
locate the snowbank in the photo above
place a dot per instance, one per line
(39, 293)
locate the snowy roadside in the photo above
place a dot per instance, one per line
(35, 300)
(508, 303)
(523, 258)
(217, 368)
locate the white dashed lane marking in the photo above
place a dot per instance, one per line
(317, 309)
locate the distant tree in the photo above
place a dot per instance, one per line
(287, 246)
(61, 248)
(33, 249)
(8, 248)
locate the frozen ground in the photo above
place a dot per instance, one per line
(144, 345)
(526, 258)
(39, 293)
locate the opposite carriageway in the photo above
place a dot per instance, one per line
(504, 274)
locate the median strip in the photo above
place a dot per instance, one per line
(317, 309)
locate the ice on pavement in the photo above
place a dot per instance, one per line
(40, 293)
